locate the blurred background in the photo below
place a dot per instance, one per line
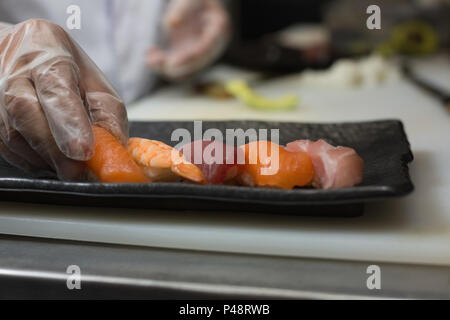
(322, 31)
(327, 44)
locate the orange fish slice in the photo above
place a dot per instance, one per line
(269, 165)
(111, 162)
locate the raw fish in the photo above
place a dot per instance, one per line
(335, 167)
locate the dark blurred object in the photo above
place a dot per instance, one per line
(257, 45)
(346, 20)
(407, 27)
(443, 96)
(212, 89)
(261, 17)
(268, 55)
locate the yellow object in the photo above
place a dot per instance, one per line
(241, 90)
(413, 37)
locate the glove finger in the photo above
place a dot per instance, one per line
(14, 159)
(208, 41)
(15, 142)
(106, 108)
(24, 158)
(29, 121)
(180, 10)
(56, 84)
(155, 58)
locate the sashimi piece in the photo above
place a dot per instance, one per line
(264, 168)
(335, 167)
(111, 162)
(217, 161)
(161, 162)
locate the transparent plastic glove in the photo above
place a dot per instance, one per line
(197, 32)
(51, 94)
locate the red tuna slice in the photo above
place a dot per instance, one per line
(335, 167)
(216, 169)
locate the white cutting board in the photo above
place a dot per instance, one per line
(414, 229)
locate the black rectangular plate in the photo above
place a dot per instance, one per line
(382, 144)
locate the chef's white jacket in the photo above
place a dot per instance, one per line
(116, 34)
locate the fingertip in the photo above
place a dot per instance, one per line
(79, 148)
(155, 58)
(71, 170)
(118, 130)
(109, 112)
(172, 21)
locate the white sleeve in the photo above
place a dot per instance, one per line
(4, 25)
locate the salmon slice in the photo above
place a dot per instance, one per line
(111, 162)
(264, 168)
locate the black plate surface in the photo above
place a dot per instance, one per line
(382, 144)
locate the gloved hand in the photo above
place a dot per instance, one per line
(51, 94)
(197, 32)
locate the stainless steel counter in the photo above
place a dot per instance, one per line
(36, 268)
